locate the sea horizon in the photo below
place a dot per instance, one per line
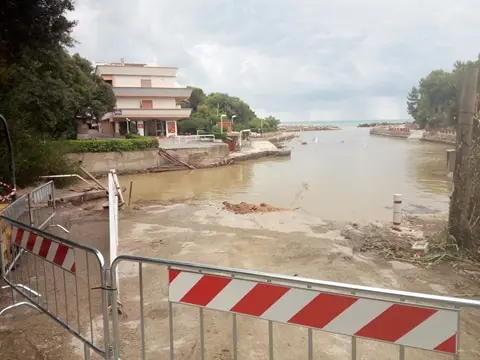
(341, 123)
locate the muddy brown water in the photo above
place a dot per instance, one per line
(346, 175)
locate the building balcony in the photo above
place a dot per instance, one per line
(172, 114)
(178, 93)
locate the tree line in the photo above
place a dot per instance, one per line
(207, 110)
(434, 102)
(43, 88)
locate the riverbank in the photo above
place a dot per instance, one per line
(193, 156)
(384, 123)
(449, 137)
(279, 137)
(438, 137)
(292, 243)
(400, 132)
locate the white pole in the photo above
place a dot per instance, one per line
(397, 211)
(221, 123)
(113, 218)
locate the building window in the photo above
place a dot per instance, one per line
(146, 83)
(109, 82)
(146, 104)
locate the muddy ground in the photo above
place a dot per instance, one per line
(287, 242)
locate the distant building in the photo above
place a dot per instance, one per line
(147, 97)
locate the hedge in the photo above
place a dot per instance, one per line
(110, 145)
(221, 136)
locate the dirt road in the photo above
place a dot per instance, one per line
(290, 243)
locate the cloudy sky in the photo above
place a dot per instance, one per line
(300, 60)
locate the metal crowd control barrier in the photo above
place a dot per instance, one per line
(58, 277)
(42, 205)
(19, 210)
(35, 208)
(403, 319)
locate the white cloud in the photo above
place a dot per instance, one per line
(299, 60)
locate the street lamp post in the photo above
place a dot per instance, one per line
(233, 117)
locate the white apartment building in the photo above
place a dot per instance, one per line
(147, 97)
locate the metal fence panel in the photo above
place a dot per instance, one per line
(398, 319)
(62, 279)
(18, 210)
(42, 205)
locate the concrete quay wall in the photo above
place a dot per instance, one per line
(133, 161)
(400, 132)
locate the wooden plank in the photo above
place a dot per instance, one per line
(93, 178)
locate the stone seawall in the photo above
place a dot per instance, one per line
(395, 132)
(440, 138)
(199, 157)
(136, 161)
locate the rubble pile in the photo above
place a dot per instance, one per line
(246, 208)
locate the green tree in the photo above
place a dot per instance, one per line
(44, 90)
(202, 119)
(206, 112)
(230, 105)
(32, 27)
(197, 98)
(48, 99)
(272, 123)
(412, 103)
(434, 102)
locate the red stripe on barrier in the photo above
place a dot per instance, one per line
(405, 318)
(205, 290)
(60, 255)
(322, 310)
(18, 237)
(449, 345)
(259, 299)
(73, 269)
(397, 201)
(172, 274)
(31, 241)
(44, 248)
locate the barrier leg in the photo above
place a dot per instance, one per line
(13, 306)
(86, 351)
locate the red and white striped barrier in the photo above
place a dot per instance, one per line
(428, 328)
(52, 251)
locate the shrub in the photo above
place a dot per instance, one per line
(110, 145)
(34, 158)
(220, 136)
(133, 136)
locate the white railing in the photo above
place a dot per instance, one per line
(185, 139)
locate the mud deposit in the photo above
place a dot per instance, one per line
(245, 208)
(284, 242)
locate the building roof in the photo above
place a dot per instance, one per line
(122, 63)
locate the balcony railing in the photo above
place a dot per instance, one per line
(150, 113)
(181, 93)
